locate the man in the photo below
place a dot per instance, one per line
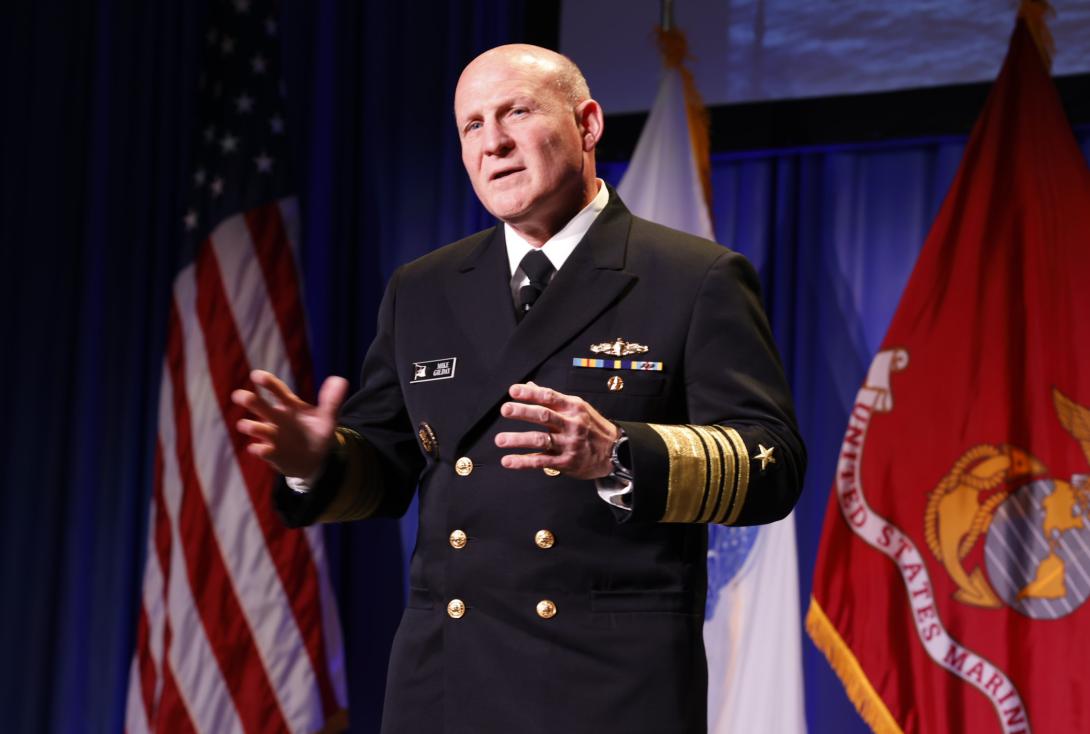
(571, 421)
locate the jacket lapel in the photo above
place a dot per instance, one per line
(589, 282)
(479, 296)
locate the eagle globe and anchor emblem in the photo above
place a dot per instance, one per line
(1035, 528)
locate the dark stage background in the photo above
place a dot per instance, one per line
(94, 146)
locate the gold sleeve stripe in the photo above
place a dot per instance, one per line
(707, 473)
(727, 476)
(739, 499)
(714, 492)
(730, 485)
(688, 469)
(353, 500)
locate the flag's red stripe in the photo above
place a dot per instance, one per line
(146, 665)
(148, 673)
(172, 716)
(224, 623)
(229, 370)
(162, 529)
(274, 254)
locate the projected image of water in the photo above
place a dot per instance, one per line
(750, 50)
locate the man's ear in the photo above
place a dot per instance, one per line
(591, 122)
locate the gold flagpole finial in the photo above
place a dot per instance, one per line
(1036, 13)
(666, 20)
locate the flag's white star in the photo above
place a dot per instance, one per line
(244, 103)
(229, 143)
(242, 6)
(190, 220)
(277, 125)
(211, 36)
(209, 134)
(264, 163)
(270, 27)
(198, 177)
(216, 186)
(227, 45)
(258, 64)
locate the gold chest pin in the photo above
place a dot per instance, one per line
(618, 348)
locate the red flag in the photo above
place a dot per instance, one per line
(951, 585)
(238, 626)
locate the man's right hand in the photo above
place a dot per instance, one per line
(290, 434)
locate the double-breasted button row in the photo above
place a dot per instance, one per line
(546, 609)
(463, 467)
(542, 539)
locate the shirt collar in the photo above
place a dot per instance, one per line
(558, 247)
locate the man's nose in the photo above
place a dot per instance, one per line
(496, 140)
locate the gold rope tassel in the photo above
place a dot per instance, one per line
(675, 51)
(859, 689)
(1036, 13)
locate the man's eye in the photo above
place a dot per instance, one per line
(472, 126)
(518, 111)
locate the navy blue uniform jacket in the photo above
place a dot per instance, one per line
(622, 650)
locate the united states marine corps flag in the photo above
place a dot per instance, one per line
(952, 581)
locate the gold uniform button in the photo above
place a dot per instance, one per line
(544, 539)
(615, 383)
(458, 539)
(550, 472)
(463, 467)
(546, 609)
(456, 608)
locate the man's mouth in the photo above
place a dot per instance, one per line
(504, 173)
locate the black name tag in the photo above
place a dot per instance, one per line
(434, 369)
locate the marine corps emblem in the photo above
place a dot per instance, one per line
(1033, 527)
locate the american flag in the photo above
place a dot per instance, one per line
(238, 627)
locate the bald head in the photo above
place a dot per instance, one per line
(557, 70)
(528, 129)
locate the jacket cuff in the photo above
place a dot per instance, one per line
(687, 473)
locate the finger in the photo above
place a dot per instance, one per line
(531, 393)
(258, 430)
(276, 387)
(525, 440)
(531, 413)
(266, 453)
(254, 403)
(260, 450)
(528, 461)
(331, 395)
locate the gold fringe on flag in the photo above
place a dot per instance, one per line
(859, 689)
(1036, 13)
(675, 51)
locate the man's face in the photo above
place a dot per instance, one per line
(521, 144)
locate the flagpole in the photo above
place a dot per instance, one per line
(666, 17)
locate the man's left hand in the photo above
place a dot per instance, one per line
(576, 439)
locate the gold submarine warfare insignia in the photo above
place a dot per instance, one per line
(618, 348)
(959, 510)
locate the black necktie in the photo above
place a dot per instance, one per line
(539, 270)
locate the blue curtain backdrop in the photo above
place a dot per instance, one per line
(94, 144)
